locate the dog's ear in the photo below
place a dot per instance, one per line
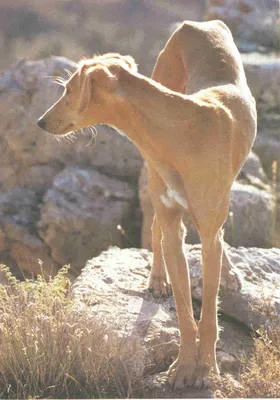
(104, 77)
(130, 63)
(85, 89)
(93, 77)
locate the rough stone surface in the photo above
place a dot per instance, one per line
(20, 247)
(250, 220)
(114, 284)
(263, 76)
(253, 168)
(259, 272)
(267, 144)
(81, 213)
(254, 23)
(125, 272)
(251, 216)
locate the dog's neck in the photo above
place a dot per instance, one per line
(146, 108)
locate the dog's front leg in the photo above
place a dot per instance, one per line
(212, 252)
(182, 371)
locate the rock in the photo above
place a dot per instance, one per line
(252, 22)
(263, 76)
(251, 217)
(81, 215)
(147, 323)
(259, 272)
(253, 168)
(20, 248)
(267, 146)
(228, 361)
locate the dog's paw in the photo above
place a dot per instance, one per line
(182, 372)
(159, 286)
(206, 369)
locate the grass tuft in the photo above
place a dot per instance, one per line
(49, 349)
(259, 374)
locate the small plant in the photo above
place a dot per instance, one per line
(260, 372)
(51, 349)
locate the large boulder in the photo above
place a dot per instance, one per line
(121, 272)
(263, 76)
(251, 217)
(254, 23)
(83, 213)
(114, 285)
(258, 271)
(20, 247)
(267, 144)
(252, 210)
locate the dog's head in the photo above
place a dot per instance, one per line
(90, 95)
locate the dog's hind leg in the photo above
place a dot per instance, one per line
(158, 281)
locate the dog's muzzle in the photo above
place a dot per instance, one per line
(41, 123)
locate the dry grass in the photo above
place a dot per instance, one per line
(259, 375)
(50, 349)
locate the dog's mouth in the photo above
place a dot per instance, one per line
(42, 123)
(69, 128)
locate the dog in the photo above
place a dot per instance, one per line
(194, 123)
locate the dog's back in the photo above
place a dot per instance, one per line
(202, 60)
(199, 55)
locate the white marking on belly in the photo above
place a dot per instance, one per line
(167, 200)
(171, 197)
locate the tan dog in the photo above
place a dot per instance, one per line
(195, 133)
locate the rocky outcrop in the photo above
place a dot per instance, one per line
(114, 285)
(254, 23)
(251, 217)
(35, 167)
(83, 213)
(259, 273)
(252, 210)
(263, 75)
(20, 248)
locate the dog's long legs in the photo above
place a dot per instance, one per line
(173, 234)
(211, 236)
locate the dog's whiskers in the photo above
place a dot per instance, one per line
(93, 132)
(68, 73)
(58, 139)
(60, 81)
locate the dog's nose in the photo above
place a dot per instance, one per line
(42, 123)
